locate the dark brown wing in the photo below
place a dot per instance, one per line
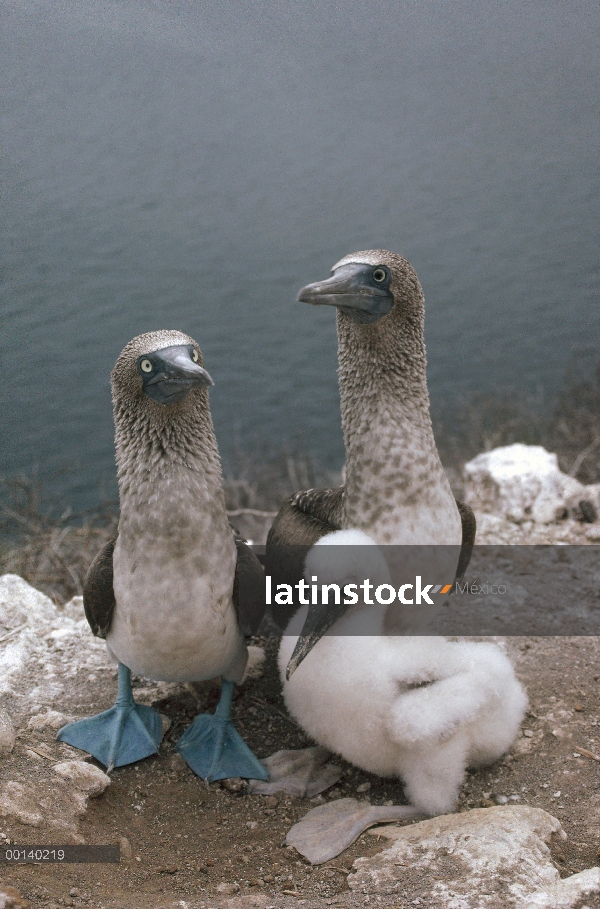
(302, 520)
(469, 528)
(248, 588)
(98, 594)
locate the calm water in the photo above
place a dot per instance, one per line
(170, 166)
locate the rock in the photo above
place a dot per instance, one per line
(51, 718)
(228, 888)
(521, 482)
(255, 665)
(42, 648)
(302, 773)
(12, 899)
(572, 892)
(125, 848)
(329, 829)
(18, 803)
(87, 777)
(233, 784)
(7, 733)
(488, 857)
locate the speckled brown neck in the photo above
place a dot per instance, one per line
(393, 470)
(168, 468)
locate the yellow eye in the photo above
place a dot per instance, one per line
(195, 356)
(379, 275)
(146, 366)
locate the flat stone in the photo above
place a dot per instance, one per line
(488, 858)
(579, 891)
(7, 733)
(87, 777)
(52, 718)
(301, 773)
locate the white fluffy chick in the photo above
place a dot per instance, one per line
(419, 708)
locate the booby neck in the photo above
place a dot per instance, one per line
(396, 489)
(168, 465)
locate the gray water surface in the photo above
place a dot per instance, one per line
(182, 165)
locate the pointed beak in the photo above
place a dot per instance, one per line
(351, 289)
(319, 620)
(174, 374)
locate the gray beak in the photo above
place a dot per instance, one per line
(170, 374)
(354, 291)
(319, 620)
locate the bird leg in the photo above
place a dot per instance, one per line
(122, 735)
(214, 750)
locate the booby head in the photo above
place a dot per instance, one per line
(163, 366)
(367, 286)
(336, 559)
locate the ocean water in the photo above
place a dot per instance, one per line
(171, 164)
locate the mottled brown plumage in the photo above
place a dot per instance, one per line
(177, 572)
(396, 489)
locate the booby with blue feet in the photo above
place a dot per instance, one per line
(177, 590)
(421, 708)
(395, 489)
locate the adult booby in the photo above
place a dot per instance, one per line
(175, 592)
(419, 708)
(395, 488)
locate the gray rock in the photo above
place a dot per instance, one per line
(580, 891)
(86, 777)
(488, 858)
(7, 733)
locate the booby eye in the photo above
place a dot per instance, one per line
(146, 366)
(379, 275)
(195, 356)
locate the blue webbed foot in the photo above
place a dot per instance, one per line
(214, 750)
(122, 735)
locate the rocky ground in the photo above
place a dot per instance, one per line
(183, 845)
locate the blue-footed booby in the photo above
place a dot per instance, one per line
(411, 706)
(177, 590)
(395, 489)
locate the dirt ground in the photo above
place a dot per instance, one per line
(183, 845)
(183, 841)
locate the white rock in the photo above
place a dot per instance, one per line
(18, 803)
(43, 650)
(256, 663)
(7, 733)
(523, 482)
(488, 857)
(569, 893)
(87, 777)
(52, 718)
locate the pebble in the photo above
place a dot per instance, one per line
(125, 847)
(364, 787)
(12, 899)
(7, 733)
(271, 801)
(528, 733)
(233, 784)
(51, 718)
(501, 799)
(228, 888)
